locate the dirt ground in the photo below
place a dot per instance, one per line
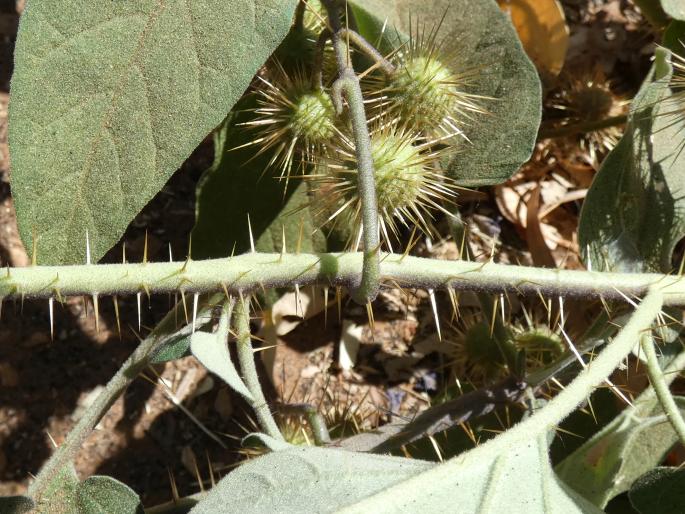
(146, 440)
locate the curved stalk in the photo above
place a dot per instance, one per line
(249, 371)
(661, 389)
(254, 271)
(129, 370)
(348, 83)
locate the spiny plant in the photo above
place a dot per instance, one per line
(109, 99)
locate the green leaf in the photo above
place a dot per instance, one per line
(324, 480)
(212, 351)
(503, 139)
(634, 211)
(109, 98)
(633, 443)
(306, 479)
(99, 494)
(674, 8)
(674, 37)
(660, 491)
(172, 350)
(239, 184)
(16, 504)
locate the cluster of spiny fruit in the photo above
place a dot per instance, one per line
(416, 114)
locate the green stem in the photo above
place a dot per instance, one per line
(254, 271)
(137, 362)
(359, 42)
(661, 389)
(401, 495)
(582, 128)
(348, 83)
(249, 371)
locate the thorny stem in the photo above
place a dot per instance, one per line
(165, 331)
(348, 83)
(253, 271)
(582, 128)
(249, 371)
(661, 388)
(400, 495)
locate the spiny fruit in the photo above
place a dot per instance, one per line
(429, 90)
(408, 184)
(588, 97)
(293, 120)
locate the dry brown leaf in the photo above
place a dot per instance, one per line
(542, 28)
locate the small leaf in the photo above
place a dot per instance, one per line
(503, 139)
(634, 442)
(674, 8)
(212, 351)
(659, 491)
(99, 494)
(109, 98)
(634, 212)
(175, 349)
(306, 479)
(16, 504)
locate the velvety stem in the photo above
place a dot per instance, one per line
(661, 388)
(249, 371)
(348, 83)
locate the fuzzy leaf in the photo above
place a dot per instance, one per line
(16, 504)
(99, 494)
(172, 350)
(634, 212)
(674, 8)
(503, 139)
(519, 480)
(212, 351)
(306, 479)
(633, 443)
(660, 491)
(109, 98)
(239, 184)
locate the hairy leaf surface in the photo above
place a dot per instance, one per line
(99, 494)
(633, 443)
(504, 138)
(634, 212)
(674, 8)
(109, 98)
(306, 479)
(659, 491)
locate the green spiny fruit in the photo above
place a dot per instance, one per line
(429, 91)
(409, 187)
(293, 120)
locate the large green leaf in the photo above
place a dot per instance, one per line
(306, 479)
(634, 212)
(109, 98)
(324, 480)
(633, 443)
(660, 491)
(503, 139)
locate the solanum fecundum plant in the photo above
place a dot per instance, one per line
(343, 127)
